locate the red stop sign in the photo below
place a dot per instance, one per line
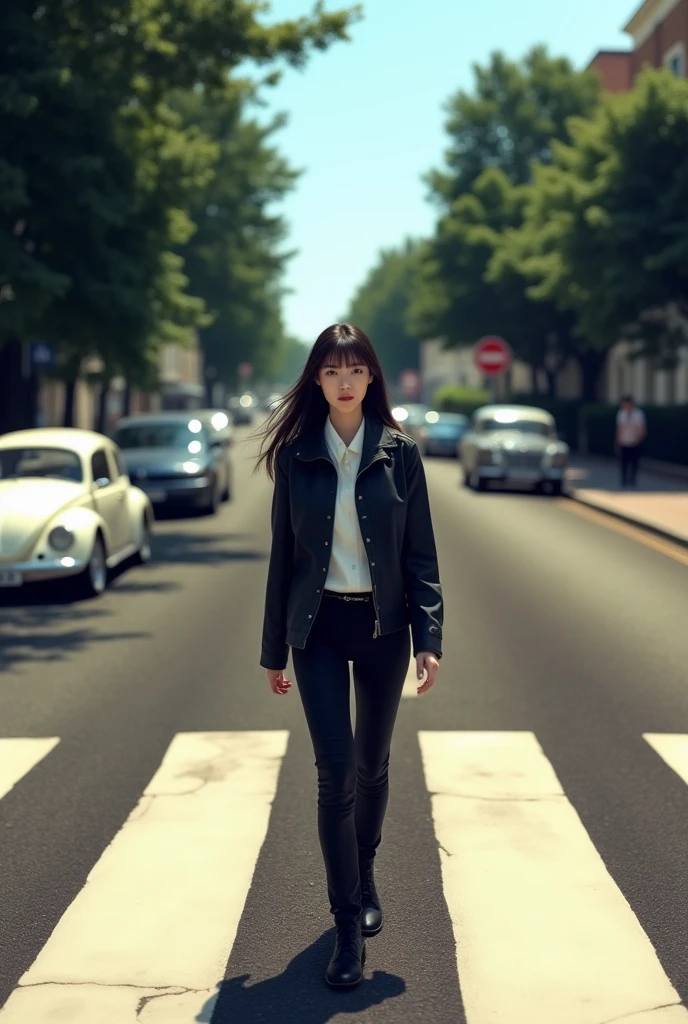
(492, 355)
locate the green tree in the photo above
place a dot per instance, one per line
(497, 133)
(605, 235)
(234, 259)
(95, 190)
(380, 308)
(510, 118)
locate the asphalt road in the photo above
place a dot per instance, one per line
(557, 628)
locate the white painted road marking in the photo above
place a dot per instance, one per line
(148, 937)
(672, 748)
(543, 933)
(18, 756)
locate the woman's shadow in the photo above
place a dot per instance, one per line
(298, 994)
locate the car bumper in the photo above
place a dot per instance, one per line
(191, 493)
(507, 474)
(37, 571)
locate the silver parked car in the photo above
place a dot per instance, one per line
(513, 444)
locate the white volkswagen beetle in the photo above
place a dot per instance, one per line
(67, 509)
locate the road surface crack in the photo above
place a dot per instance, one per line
(647, 1009)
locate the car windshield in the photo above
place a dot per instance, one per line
(523, 426)
(53, 463)
(160, 435)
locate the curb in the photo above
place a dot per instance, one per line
(641, 524)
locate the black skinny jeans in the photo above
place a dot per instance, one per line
(352, 767)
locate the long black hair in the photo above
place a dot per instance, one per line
(305, 408)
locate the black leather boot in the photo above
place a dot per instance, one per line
(345, 969)
(371, 918)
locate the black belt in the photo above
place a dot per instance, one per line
(347, 597)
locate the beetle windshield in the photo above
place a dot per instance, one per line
(53, 463)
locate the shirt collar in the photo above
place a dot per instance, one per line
(335, 442)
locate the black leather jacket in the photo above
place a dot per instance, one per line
(394, 516)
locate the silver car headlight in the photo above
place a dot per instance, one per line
(60, 538)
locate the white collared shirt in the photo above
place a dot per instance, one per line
(348, 571)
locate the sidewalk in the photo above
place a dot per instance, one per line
(658, 502)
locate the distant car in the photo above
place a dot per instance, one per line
(68, 509)
(172, 457)
(242, 409)
(441, 433)
(513, 444)
(221, 430)
(411, 417)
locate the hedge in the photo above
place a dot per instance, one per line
(667, 431)
(462, 400)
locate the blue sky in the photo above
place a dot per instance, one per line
(366, 120)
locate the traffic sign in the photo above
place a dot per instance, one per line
(409, 381)
(492, 355)
(245, 370)
(42, 353)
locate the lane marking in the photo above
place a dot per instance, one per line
(543, 933)
(607, 519)
(148, 936)
(18, 755)
(672, 748)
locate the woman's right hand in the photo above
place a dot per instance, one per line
(278, 682)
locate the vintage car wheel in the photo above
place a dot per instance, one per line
(477, 482)
(143, 554)
(93, 580)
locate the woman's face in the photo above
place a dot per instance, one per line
(344, 387)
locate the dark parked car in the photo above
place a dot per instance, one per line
(172, 457)
(441, 433)
(242, 409)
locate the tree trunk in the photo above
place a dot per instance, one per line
(591, 363)
(18, 394)
(100, 424)
(70, 394)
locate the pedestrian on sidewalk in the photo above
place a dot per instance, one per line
(631, 431)
(353, 563)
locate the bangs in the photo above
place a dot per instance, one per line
(346, 352)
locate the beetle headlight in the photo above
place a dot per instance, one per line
(60, 539)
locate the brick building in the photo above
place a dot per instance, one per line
(659, 38)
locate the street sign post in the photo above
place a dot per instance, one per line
(492, 356)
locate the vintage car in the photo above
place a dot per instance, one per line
(67, 509)
(176, 458)
(513, 444)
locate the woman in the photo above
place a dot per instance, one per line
(353, 563)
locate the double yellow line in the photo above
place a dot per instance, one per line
(650, 540)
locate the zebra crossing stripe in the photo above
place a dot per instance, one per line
(148, 937)
(672, 748)
(542, 931)
(18, 756)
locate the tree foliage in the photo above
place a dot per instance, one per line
(380, 308)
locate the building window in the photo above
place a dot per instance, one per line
(674, 59)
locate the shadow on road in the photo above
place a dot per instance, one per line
(200, 548)
(37, 635)
(299, 993)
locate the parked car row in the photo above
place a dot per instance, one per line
(504, 444)
(75, 504)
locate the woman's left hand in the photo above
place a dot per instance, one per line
(426, 660)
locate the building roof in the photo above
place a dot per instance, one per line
(649, 11)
